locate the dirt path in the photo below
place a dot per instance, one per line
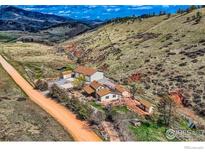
(190, 114)
(79, 130)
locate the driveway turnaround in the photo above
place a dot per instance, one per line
(78, 129)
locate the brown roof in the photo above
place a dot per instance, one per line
(95, 84)
(103, 92)
(85, 70)
(88, 89)
(120, 88)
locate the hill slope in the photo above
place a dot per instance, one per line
(37, 27)
(13, 18)
(163, 53)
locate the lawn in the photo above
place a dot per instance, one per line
(122, 109)
(97, 106)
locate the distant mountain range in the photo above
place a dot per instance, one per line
(13, 18)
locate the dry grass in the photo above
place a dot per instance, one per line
(21, 120)
(41, 59)
(161, 60)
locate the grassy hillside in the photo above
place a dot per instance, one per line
(22, 120)
(29, 26)
(33, 60)
(166, 52)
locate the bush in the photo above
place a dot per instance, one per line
(41, 85)
(79, 82)
(60, 94)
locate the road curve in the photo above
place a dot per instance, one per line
(78, 129)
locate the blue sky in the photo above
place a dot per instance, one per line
(101, 12)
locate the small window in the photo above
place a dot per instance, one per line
(114, 96)
(107, 97)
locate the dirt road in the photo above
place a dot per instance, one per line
(79, 130)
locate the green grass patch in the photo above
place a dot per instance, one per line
(70, 67)
(97, 106)
(149, 132)
(36, 68)
(122, 109)
(7, 38)
(183, 124)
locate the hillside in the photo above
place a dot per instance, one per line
(21, 120)
(29, 26)
(160, 53)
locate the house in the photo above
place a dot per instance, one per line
(93, 87)
(100, 91)
(107, 82)
(96, 85)
(66, 74)
(90, 74)
(88, 90)
(106, 94)
(124, 92)
(145, 106)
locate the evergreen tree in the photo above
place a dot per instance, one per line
(165, 108)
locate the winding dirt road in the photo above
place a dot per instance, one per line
(79, 130)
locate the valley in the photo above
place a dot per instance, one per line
(159, 59)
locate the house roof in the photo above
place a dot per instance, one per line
(120, 88)
(95, 84)
(103, 92)
(88, 89)
(85, 70)
(107, 82)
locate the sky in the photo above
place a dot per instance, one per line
(101, 12)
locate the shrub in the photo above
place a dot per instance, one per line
(79, 82)
(41, 85)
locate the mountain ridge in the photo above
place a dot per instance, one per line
(13, 18)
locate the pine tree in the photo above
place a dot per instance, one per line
(165, 108)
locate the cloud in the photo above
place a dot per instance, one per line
(103, 12)
(112, 9)
(109, 10)
(117, 9)
(92, 6)
(64, 12)
(61, 12)
(33, 9)
(141, 8)
(87, 17)
(109, 6)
